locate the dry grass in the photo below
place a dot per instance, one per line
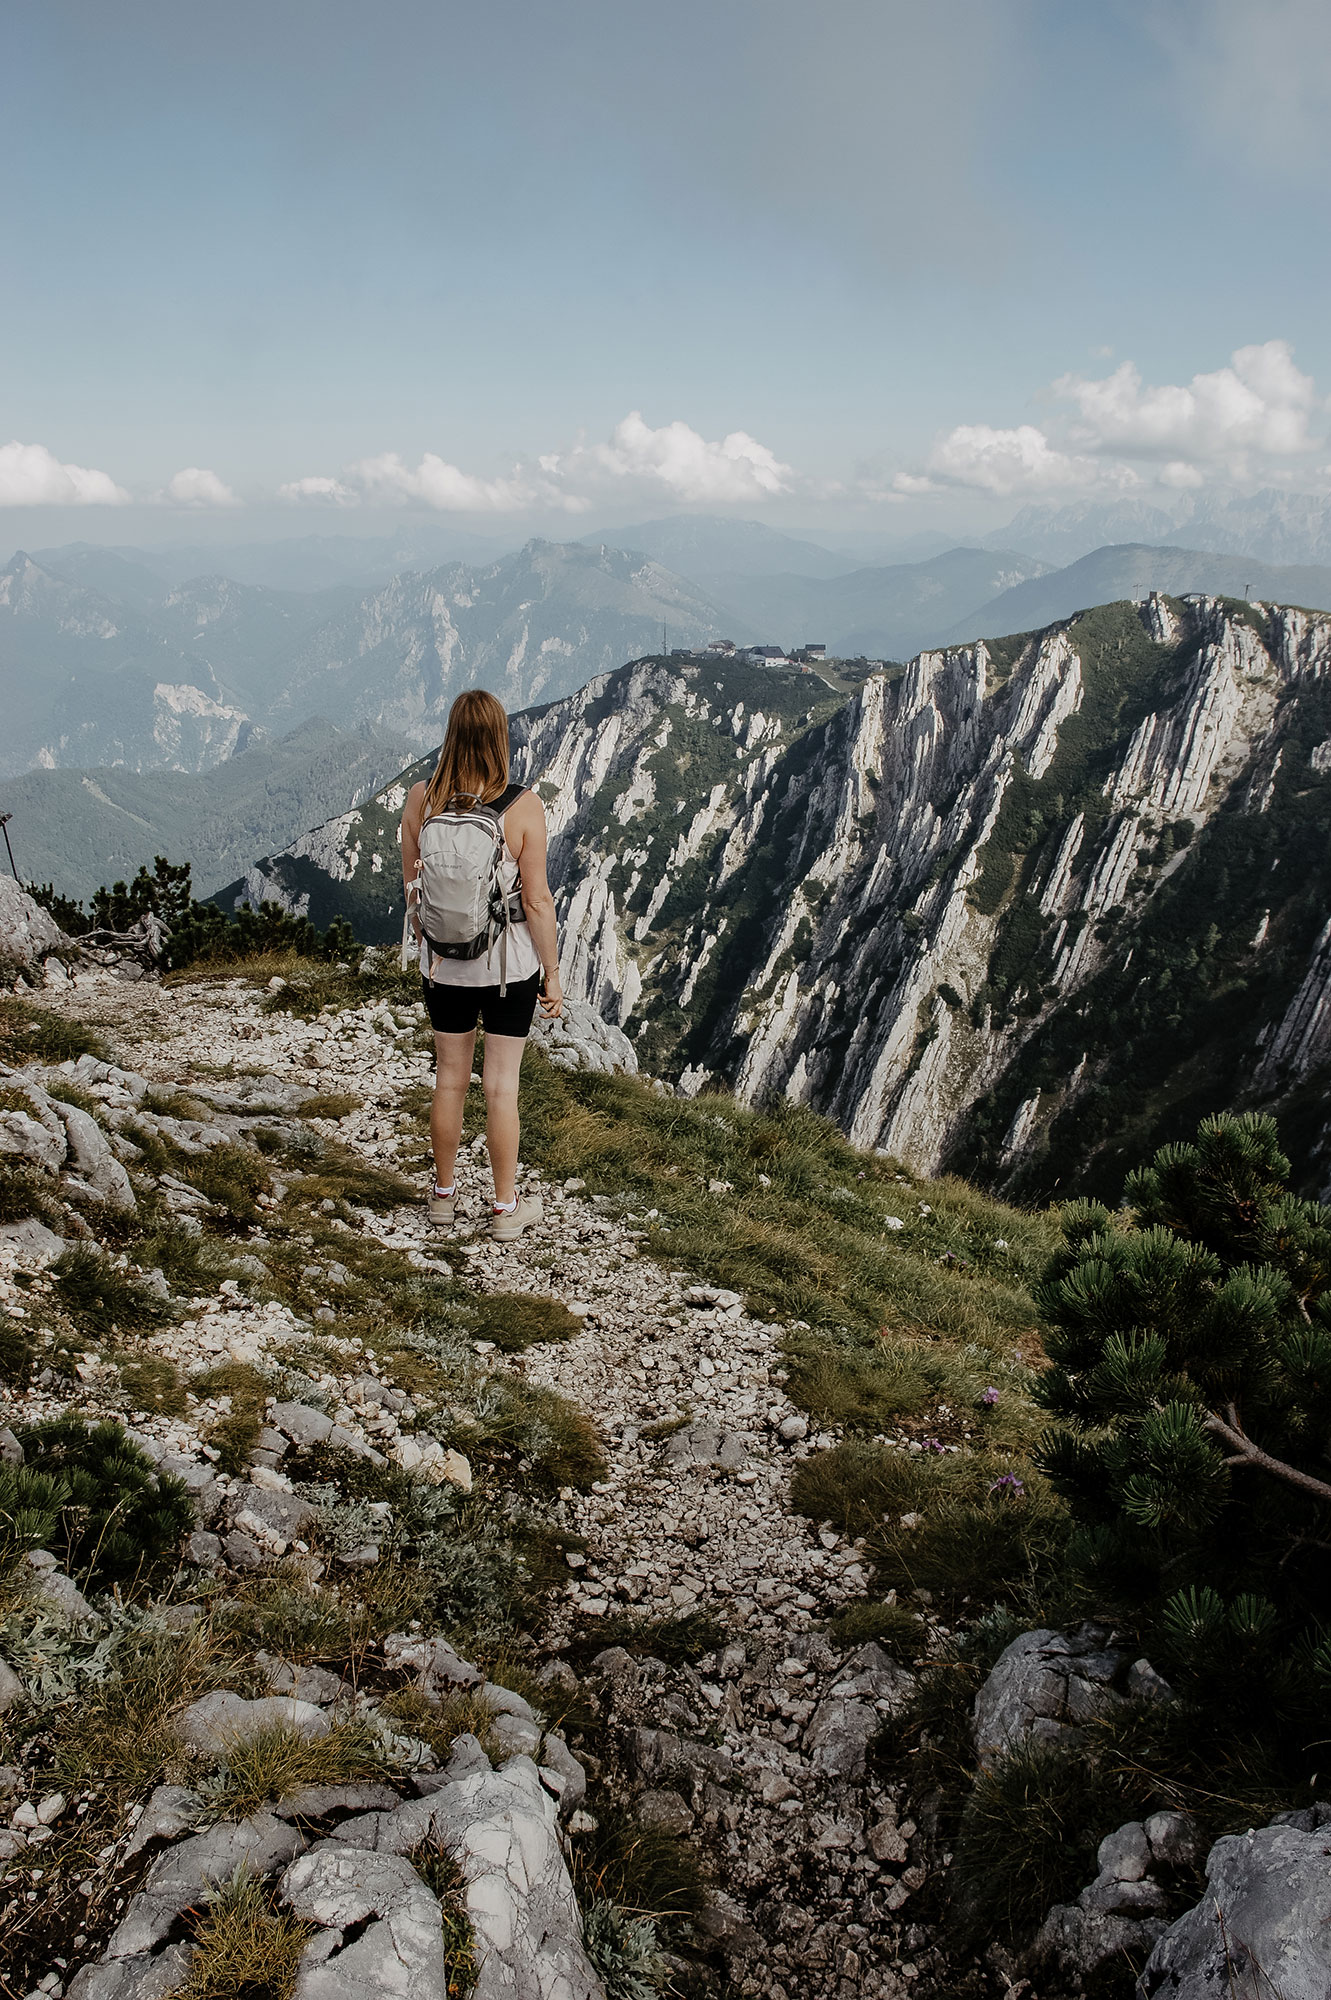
(246, 1947)
(275, 1762)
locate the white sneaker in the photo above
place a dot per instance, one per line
(511, 1222)
(439, 1209)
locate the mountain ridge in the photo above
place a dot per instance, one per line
(892, 904)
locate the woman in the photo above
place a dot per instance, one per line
(473, 768)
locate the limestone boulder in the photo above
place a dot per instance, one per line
(1044, 1688)
(398, 1948)
(580, 1039)
(1263, 1926)
(28, 933)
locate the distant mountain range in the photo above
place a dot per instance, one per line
(80, 829)
(1269, 526)
(702, 545)
(880, 613)
(1133, 570)
(180, 677)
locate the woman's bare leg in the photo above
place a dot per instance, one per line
(452, 1073)
(503, 1060)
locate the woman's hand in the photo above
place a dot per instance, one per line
(551, 997)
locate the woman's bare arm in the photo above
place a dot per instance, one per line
(524, 827)
(411, 841)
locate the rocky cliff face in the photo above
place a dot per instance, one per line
(1023, 908)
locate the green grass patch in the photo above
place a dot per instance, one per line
(246, 1946)
(150, 1382)
(342, 1176)
(899, 1631)
(441, 1874)
(963, 1526)
(332, 1104)
(102, 1299)
(275, 1762)
(641, 1869)
(677, 1641)
(235, 1434)
(1028, 1837)
(31, 1033)
(814, 1243)
(515, 1321)
(24, 1192)
(231, 1176)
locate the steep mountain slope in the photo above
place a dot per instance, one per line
(573, 749)
(882, 613)
(1027, 907)
(538, 623)
(79, 829)
(1134, 569)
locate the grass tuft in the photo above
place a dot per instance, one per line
(891, 1626)
(102, 1299)
(31, 1033)
(246, 1948)
(643, 1870)
(515, 1321)
(277, 1761)
(440, 1873)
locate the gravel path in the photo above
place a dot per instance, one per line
(759, 1753)
(695, 1519)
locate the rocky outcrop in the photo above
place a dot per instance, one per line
(29, 935)
(1117, 1917)
(1046, 1686)
(1264, 1925)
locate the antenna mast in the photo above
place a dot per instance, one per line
(4, 828)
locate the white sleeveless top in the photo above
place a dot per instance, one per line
(523, 957)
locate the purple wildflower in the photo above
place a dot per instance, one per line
(989, 1398)
(1009, 1483)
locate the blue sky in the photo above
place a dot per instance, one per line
(302, 264)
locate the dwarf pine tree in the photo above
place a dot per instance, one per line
(1191, 1342)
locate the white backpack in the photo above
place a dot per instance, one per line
(458, 893)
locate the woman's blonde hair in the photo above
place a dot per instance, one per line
(473, 763)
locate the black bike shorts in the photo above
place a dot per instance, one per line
(454, 1010)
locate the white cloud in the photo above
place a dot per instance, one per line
(31, 476)
(317, 487)
(436, 483)
(736, 468)
(196, 486)
(689, 467)
(1239, 421)
(1003, 462)
(1260, 403)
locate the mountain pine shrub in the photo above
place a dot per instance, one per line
(118, 1517)
(196, 931)
(1191, 1342)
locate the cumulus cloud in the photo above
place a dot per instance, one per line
(31, 476)
(1260, 403)
(692, 468)
(196, 486)
(436, 483)
(317, 487)
(675, 458)
(1003, 462)
(1239, 420)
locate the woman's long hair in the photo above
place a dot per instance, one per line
(473, 764)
